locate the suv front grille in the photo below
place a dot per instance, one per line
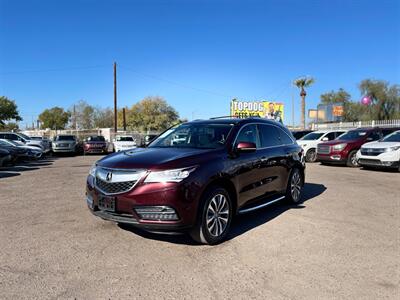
(323, 149)
(114, 187)
(372, 151)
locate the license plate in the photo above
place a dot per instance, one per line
(107, 203)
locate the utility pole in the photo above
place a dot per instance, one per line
(123, 118)
(75, 118)
(115, 98)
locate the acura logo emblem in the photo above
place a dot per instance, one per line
(109, 176)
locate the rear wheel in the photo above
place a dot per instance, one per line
(311, 155)
(352, 159)
(215, 217)
(294, 187)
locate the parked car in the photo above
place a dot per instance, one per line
(65, 144)
(382, 153)
(298, 134)
(95, 144)
(5, 157)
(15, 151)
(45, 140)
(225, 167)
(30, 152)
(343, 150)
(124, 142)
(23, 139)
(310, 141)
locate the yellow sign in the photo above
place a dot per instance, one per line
(264, 109)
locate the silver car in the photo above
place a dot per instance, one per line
(65, 144)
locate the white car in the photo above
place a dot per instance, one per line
(124, 142)
(310, 141)
(382, 153)
(23, 139)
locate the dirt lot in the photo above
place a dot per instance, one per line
(343, 242)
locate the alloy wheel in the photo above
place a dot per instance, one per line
(353, 160)
(217, 215)
(295, 185)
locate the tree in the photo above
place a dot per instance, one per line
(8, 110)
(82, 115)
(9, 126)
(385, 99)
(54, 118)
(332, 97)
(302, 83)
(151, 113)
(103, 117)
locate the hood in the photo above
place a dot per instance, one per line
(336, 142)
(156, 158)
(378, 145)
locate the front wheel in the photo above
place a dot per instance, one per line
(311, 155)
(215, 217)
(294, 187)
(352, 159)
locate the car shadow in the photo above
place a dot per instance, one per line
(5, 174)
(380, 170)
(242, 223)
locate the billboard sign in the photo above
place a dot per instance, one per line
(263, 109)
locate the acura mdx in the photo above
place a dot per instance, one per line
(197, 176)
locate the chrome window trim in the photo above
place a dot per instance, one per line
(262, 148)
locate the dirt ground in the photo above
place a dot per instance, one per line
(342, 242)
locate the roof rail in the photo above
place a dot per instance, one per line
(223, 117)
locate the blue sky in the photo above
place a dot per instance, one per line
(196, 54)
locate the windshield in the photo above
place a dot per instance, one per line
(202, 136)
(353, 135)
(125, 139)
(393, 137)
(65, 138)
(96, 139)
(24, 136)
(312, 136)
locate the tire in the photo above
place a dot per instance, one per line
(294, 186)
(352, 159)
(311, 155)
(217, 228)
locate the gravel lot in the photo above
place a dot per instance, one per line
(342, 242)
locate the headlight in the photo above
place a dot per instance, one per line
(92, 171)
(175, 175)
(395, 148)
(339, 147)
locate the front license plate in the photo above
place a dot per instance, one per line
(107, 203)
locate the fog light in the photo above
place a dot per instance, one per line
(157, 213)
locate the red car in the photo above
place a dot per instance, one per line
(95, 144)
(343, 150)
(196, 176)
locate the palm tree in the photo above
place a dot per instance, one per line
(302, 83)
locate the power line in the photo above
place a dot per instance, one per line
(175, 83)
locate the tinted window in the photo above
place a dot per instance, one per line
(394, 137)
(353, 135)
(65, 138)
(285, 139)
(339, 133)
(312, 136)
(331, 136)
(12, 137)
(269, 136)
(375, 135)
(124, 139)
(248, 134)
(96, 139)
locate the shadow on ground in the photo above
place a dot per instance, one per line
(27, 165)
(242, 223)
(4, 174)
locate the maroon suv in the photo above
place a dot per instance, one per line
(95, 144)
(343, 149)
(196, 176)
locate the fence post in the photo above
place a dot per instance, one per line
(373, 123)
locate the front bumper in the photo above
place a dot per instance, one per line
(387, 159)
(173, 195)
(333, 158)
(95, 150)
(63, 150)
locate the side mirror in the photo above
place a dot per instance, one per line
(246, 147)
(325, 139)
